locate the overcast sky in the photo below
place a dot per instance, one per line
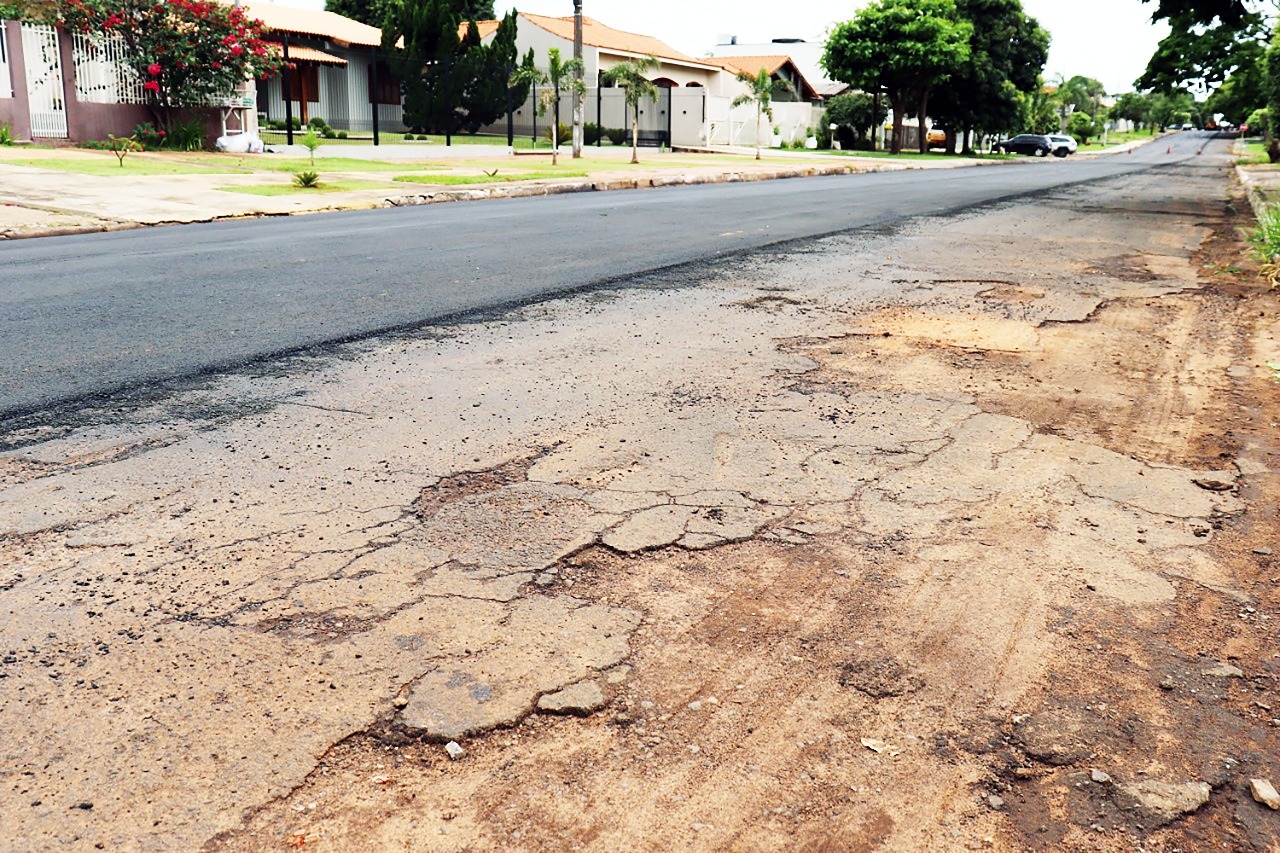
(1110, 40)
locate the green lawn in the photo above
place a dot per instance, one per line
(275, 163)
(278, 137)
(338, 186)
(463, 180)
(1255, 152)
(134, 166)
(1120, 139)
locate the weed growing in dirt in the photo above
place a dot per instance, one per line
(1266, 243)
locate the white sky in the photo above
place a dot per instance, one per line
(1110, 40)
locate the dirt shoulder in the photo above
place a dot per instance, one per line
(952, 535)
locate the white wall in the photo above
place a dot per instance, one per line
(737, 126)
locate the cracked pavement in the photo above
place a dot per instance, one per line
(225, 601)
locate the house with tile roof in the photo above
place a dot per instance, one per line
(337, 70)
(56, 84)
(779, 67)
(694, 105)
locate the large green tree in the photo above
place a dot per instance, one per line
(854, 114)
(902, 47)
(374, 12)
(1205, 56)
(1007, 53)
(1201, 11)
(451, 82)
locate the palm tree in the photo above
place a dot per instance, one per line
(630, 76)
(561, 76)
(761, 88)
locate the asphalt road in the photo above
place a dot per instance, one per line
(87, 315)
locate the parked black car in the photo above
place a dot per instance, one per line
(1026, 143)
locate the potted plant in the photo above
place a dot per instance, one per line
(776, 142)
(810, 140)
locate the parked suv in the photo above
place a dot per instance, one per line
(1063, 144)
(1025, 143)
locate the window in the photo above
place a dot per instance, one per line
(387, 90)
(304, 80)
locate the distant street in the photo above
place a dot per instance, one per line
(87, 315)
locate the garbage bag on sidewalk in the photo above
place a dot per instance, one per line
(240, 143)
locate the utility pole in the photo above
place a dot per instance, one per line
(577, 90)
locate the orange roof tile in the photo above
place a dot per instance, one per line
(311, 22)
(598, 35)
(309, 54)
(486, 28)
(753, 65)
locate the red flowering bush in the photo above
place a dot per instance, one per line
(187, 52)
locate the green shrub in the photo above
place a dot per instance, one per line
(6, 135)
(591, 133)
(342, 134)
(617, 135)
(149, 136)
(329, 133)
(308, 180)
(186, 136)
(317, 123)
(408, 137)
(311, 142)
(566, 134)
(422, 137)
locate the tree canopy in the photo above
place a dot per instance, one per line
(902, 47)
(1007, 53)
(449, 83)
(374, 12)
(1200, 11)
(186, 52)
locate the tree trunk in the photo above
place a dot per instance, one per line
(555, 134)
(758, 130)
(920, 116)
(899, 109)
(635, 136)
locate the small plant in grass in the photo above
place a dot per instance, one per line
(342, 134)
(408, 137)
(311, 142)
(122, 146)
(308, 180)
(422, 137)
(6, 135)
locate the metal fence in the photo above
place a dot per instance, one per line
(6, 79)
(43, 64)
(101, 72)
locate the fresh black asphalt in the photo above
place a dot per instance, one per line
(83, 316)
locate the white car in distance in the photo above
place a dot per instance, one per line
(1063, 144)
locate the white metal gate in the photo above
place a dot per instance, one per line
(44, 81)
(6, 80)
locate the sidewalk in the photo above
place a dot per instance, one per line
(47, 191)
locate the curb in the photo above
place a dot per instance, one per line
(534, 190)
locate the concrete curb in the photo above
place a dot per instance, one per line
(533, 190)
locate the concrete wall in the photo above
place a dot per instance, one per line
(737, 125)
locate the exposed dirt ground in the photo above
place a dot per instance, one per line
(957, 535)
